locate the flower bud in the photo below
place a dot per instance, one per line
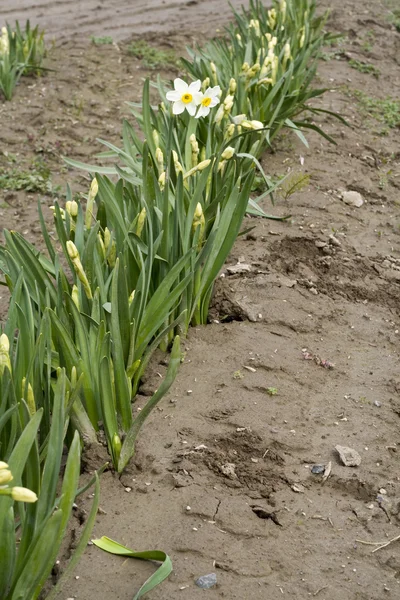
(198, 221)
(30, 398)
(205, 84)
(238, 120)
(107, 238)
(93, 191)
(195, 149)
(112, 254)
(214, 73)
(203, 164)
(161, 180)
(75, 296)
(5, 476)
(228, 153)
(3, 465)
(4, 354)
(156, 138)
(140, 222)
(72, 208)
(76, 261)
(116, 445)
(102, 246)
(272, 18)
(160, 160)
(219, 114)
(21, 494)
(232, 85)
(131, 297)
(230, 130)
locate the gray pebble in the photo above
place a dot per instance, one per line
(206, 581)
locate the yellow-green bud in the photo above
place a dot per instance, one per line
(3, 465)
(205, 84)
(272, 18)
(131, 297)
(107, 238)
(202, 165)
(75, 296)
(4, 353)
(112, 254)
(219, 114)
(72, 208)
(302, 37)
(195, 149)
(245, 67)
(76, 261)
(230, 131)
(140, 222)
(156, 138)
(214, 72)
(116, 445)
(161, 180)
(238, 120)
(30, 398)
(228, 103)
(228, 153)
(232, 85)
(198, 221)
(74, 377)
(21, 494)
(93, 191)
(255, 24)
(102, 246)
(160, 160)
(252, 125)
(5, 476)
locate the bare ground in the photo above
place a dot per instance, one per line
(254, 390)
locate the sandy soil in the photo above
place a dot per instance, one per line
(307, 296)
(66, 19)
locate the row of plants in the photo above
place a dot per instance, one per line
(132, 267)
(22, 52)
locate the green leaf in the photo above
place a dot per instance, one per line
(158, 577)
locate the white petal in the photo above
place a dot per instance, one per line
(178, 107)
(198, 97)
(203, 112)
(180, 85)
(191, 108)
(195, 86)
(215, 91)
(173, 96)
(214, 102)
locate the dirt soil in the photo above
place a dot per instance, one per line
(302, 355)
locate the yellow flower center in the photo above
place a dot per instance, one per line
(187, 98)
(206, 101)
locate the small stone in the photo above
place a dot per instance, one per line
(239, 268)
(228, 470)
(377, 403)
(298, 488)
(334, 241)
(353, 199)
(128, 489)
(314, 291)
(206, 582)
(318, 469)
(348, 456)
(320, 244)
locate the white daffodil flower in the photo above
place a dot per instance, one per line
(208, 101)
(185, 96)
